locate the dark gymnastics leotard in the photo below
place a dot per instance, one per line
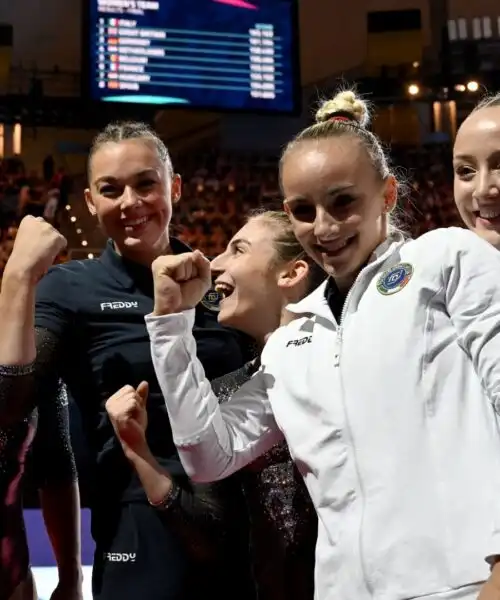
(28, 433)
(283, 525)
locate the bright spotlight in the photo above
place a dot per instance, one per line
(473, 86)
(413, 89)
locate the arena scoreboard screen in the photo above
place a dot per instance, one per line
(212, 54)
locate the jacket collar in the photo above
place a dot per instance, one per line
(129, 273)
(316, 303)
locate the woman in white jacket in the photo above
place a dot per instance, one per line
(386, 385)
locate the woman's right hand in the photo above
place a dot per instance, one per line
(128, 415)
(180, 281)
(36, 247)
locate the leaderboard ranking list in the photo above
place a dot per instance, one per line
(137, 59)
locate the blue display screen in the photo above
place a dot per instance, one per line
(217, 54)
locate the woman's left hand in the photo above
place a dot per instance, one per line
(491, 589)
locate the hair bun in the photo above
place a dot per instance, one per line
(345, 103)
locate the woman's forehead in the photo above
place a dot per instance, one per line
(314, 167)
(122, 159)
(257, 233)
(478, 132)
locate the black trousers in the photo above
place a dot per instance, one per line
(138, 557)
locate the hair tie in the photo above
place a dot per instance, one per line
(339, 118)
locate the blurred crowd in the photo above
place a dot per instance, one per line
(41, 194)
(426, 201)
(219, 189)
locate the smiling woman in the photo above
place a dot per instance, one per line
(339, 189)
(132, 189)
(476, 164)
(90, 332)
(385, 384)
(262, 269)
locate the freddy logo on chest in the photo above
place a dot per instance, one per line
(118, 305)
(301, 341)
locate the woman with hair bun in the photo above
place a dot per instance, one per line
(385, 385)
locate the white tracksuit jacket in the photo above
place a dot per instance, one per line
(391, 416)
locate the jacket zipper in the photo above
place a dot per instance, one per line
(361, 274)
(338, 349)
(375, 265)
(338, 342)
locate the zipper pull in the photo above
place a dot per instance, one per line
(336, 358)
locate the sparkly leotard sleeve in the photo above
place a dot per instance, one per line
(33, 412)
(283, 522)
(37, 396)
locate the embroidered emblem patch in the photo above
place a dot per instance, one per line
(395, 279)
(211, 300)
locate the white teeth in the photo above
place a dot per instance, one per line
(336, 247)
(136, 222)
(224, 289)
(489, 214)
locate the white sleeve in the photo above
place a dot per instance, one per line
(213, 441)
(472, 293)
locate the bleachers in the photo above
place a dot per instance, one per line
(23, 193)
(219, 189)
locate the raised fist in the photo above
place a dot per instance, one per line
(36, 246)
(128, 415)
(180, 281)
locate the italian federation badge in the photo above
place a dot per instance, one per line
(395, 279)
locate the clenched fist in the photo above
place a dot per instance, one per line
(128, 415)
(36, 247)
(491, 589)
(180, 281)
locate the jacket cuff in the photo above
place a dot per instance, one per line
(494, 555)
(176, 324)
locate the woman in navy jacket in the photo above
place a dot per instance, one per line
(88, 330)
